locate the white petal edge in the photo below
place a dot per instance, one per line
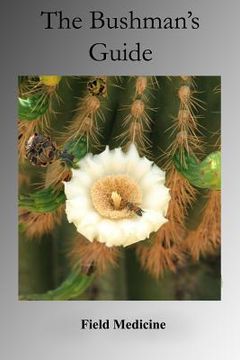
(77, 208)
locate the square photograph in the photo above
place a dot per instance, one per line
(119, 187)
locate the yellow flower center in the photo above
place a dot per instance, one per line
(113, 196)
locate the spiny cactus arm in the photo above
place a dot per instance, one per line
(72, 287)
(205, 174)
(134, 117)
(37, 104)
(73, 151)
(93, 113)
(51, 197)
(175, 131)
(43, 201)
(37, 96)
(206, 237)
(32, 107)
(94, 124)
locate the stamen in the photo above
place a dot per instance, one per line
(116, 199)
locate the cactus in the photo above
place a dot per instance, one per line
(170, 127)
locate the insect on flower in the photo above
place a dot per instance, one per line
(97, 87)
(133, 207)
(119, 203)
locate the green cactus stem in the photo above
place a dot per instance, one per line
(32, 107)
(77, 149)
(205, 174)
(46, 200)
(72, 287)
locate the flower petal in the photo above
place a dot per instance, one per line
(109, 233)
(136, 231)
(135, 165)
(92, 167)
(117, 162)
(91, 219)
(153, 177)
(77, 208)
(156, 198)
(73, 189)
(90, 232)
(155, 219)
(82, 178)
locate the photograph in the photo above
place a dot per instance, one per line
(119, 187)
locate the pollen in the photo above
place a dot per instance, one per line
(108, 192)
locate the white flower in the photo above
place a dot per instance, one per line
(116, 198)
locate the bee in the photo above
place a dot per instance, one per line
(41, 150)
(133, 208)
(97, 87)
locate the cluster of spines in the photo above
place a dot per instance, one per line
(168, 245)
(135, 115)
(36, 114)
(86, 119)
(36, 109)
(205, 238)
(85, 125)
